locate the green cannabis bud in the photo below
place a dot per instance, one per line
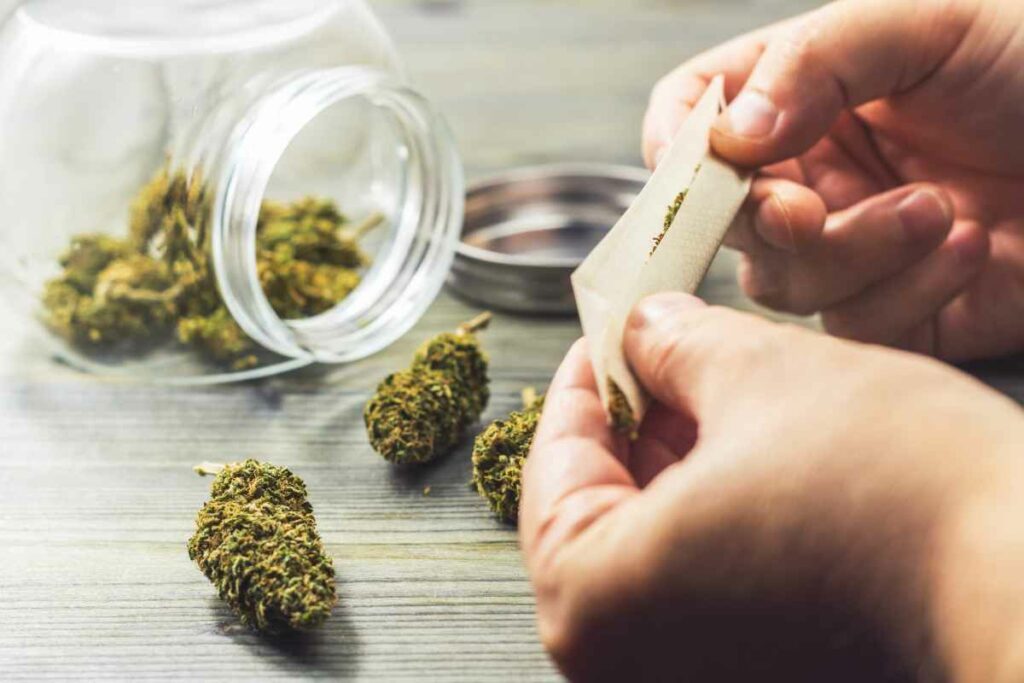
(160, 280)
(307, 258)
(620, 414)
(256, 541)
(498, 456)
(173, 208)
(312, 230)
(220, 337)
(87, 256)
(420, 413)
(108, 295)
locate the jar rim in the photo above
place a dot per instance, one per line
(427, 227)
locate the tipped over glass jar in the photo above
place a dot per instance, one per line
(201, 191)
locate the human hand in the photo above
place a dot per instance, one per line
(794, 505)
(889, 132)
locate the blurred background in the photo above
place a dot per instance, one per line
(528, 81)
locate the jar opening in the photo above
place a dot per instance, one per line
(356, 136)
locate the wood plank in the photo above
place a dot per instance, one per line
(97, 497)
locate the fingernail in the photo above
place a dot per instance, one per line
(651, 311)
(752, 115)
(924, 215)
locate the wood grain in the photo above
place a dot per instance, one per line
(96, 493)
(98, 499)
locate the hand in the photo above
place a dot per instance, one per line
(794, 505)
(890, 199)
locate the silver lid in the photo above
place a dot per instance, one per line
(527, 229)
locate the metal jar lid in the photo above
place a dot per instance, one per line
(527, 229)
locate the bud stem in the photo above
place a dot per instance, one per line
(367, 225)
(142, 296)
(208, 468)
(478, 323)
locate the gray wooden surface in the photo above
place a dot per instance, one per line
(96, 493)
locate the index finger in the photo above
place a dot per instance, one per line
(574, 473)
(676, 93)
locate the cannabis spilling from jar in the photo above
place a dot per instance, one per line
(132, 293)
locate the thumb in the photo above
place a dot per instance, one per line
(697, 359)
(838, 57)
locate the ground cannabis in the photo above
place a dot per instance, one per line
(420, 413)
(115, 293)
(670, 215)
(498, 456)
(620, 414)
(256, 541)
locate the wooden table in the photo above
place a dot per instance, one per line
(97, 496)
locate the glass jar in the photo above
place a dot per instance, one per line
(7, 6)
(180, 180)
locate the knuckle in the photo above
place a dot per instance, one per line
(800, 46)
(802, 55)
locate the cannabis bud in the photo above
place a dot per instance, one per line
(256, 541)
(115, 292)
(421, 413)
(108, 295)
(498, 456)
(307, 258)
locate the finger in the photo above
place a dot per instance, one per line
(838, 57)
(894, 311)
(783, 215)
(675, 94)
(672, 99)
(692, 358)
(836, 179)
(665, 437)
(845, 167)
(573, 474)
(859, 246)
(573, 396)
